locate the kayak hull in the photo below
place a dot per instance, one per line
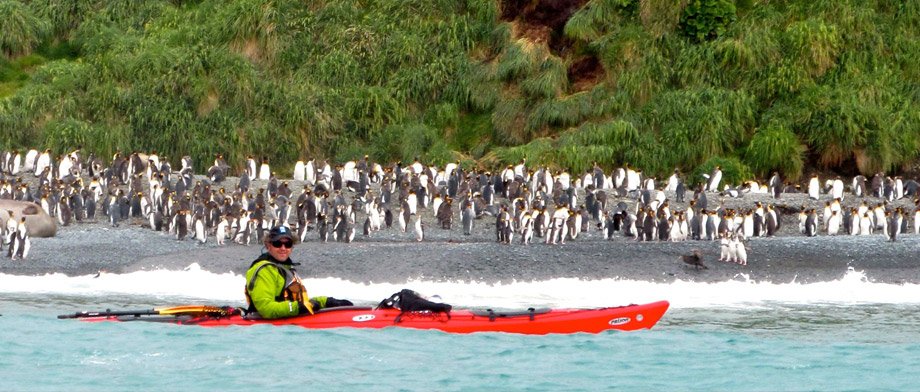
(531, 322)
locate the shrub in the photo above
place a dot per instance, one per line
(539, 151)
(63, 135)
(63, 15)
(701, 123)
(814, 44)
(556, 112)
(20, 30)
(550, 82)
(704, 20)
(519, 60)
(591, 21)
(405, 143)
(508, 121)
(776, 148)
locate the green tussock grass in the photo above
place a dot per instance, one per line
(776, 149)
(761, 86)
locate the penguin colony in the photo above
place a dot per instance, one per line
(528, 205)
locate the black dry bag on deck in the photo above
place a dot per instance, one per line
(409, 301)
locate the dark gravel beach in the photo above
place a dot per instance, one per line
(393, 256)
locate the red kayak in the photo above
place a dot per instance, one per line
(531, 321)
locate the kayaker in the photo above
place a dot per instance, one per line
(273, 288)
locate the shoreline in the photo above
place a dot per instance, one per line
(389, 255)
(396, 257)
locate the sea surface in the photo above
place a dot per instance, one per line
(741, 335)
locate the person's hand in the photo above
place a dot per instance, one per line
(305, 306)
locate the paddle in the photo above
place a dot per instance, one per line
(194, 310)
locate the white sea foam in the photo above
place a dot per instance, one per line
(227, 288)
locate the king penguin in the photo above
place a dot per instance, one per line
(739, 251)
(251, 168)
(714, 179)
(527, 221)
(419, 229)
(181, 225)
(775, 185)
(917, 221)
(222, 227)
(814, 187)
(837, 188)
(64, 212)
(467, 216)
(388, 218)
(200, 233)
(811, 223)
(299, 170)
(322, 226)
(833, 223)
(29, 164)
(10, 229)
(43, 162)
(265, 171)
(21, 242)
(403, 218)
(114, 209)
(445, 214)
(894, 225)
(15, 163)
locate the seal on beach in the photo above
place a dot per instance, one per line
(695, 259)
(39, 222)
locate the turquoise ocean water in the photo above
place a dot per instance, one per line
(765, 344)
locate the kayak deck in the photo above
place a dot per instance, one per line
(531, 321)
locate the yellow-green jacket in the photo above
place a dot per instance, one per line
(268, 283)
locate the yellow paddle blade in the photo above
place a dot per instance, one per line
(191, 309)
(306, 301)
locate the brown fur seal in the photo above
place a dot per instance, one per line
(40, 224)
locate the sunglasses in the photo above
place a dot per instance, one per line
(283, 244)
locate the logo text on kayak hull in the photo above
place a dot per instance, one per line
(619, 321)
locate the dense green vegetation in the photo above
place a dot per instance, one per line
(755, 86)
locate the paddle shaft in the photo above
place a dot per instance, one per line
(175, 310)
(107, 313)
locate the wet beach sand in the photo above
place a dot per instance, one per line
(447, 255)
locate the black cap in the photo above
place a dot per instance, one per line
(280, 232)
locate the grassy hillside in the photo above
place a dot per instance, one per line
(755, 86)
